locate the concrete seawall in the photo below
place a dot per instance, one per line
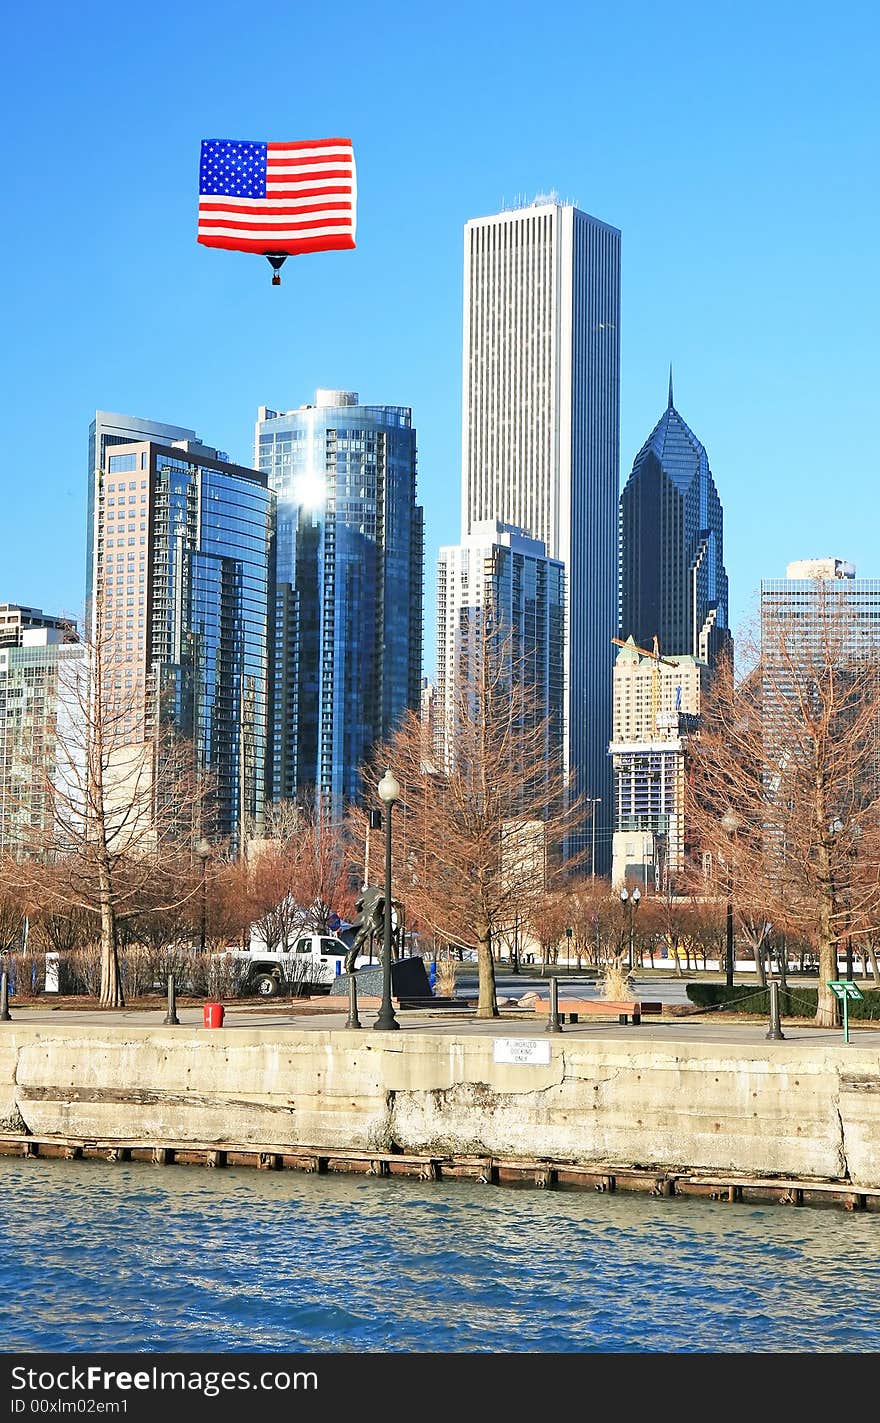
(802, 1109)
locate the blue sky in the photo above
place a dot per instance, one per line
(735, 146)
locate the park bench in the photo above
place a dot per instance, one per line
(623, 1009)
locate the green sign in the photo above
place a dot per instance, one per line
(843, 989)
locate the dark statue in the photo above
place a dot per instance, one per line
(370, 924)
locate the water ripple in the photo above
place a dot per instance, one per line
(101, 1257)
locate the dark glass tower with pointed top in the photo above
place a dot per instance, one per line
(673, 584)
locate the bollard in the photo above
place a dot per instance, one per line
(775, 1032)
(353, 1019)
(5, 1015)
(171, 1015)
(553, 1023)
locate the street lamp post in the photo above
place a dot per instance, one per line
(596, 801)
(374, 822)
(203, 850)
(850, 853)
(389, 792)
(730, 823)
(630, 903)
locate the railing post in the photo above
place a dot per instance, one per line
(5, 1015)
(846, 1018)
(171, 1016)
(353, 1019)
(775, 1032)
(553, 1023)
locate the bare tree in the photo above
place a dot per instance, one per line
(303, 872)
(60, 930)
(483, 839)
(277, 916)
(789, 753)
(324, 877)
(122, 802)
(13, 907)
(595, 920)
(549, 918)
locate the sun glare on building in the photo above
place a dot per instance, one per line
(310, 490)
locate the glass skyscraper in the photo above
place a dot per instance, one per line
(349, 553)
(181, 585)
(673, 585)
(541, 434)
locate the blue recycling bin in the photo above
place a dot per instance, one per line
(432, 977)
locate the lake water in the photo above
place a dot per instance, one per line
(131, 1257)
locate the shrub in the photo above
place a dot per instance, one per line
(614, 981)
(84, 970)
(793, 1002)
(444, 981)
(219, 975)
(27, 972)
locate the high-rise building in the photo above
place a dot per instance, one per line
(673, 585)
(499, 584)
(105, 431)
(16, 620)
(347, 634)
(819, 612)
(820, 647)
(814, 593)
(39, 696)
(656, 707)
(180, 592)
(805, 568)
(540, 434)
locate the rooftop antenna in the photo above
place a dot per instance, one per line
(671, 406)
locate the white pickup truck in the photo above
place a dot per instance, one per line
(308, 966)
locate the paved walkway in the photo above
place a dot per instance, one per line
(320, 1016)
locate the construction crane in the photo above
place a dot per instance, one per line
(655, 671)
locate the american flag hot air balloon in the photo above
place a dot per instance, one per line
(277, 199)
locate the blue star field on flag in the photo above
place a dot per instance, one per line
(233, 168)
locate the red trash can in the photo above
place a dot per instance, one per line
(213, 1015)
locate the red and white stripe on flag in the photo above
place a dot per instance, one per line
(306, 198)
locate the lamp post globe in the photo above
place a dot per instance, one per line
(389, 788)
(389, 792)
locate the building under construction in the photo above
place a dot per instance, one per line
(655, 708)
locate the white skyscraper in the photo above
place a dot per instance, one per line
(498, 578)
(541, 435)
